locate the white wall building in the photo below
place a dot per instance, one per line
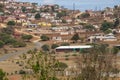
(101, 37)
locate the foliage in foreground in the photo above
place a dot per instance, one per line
(43, 66)
(2, 75)
(93, 64)
(98, 63)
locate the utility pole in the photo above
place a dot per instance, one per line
(73, 13)
(73, 7)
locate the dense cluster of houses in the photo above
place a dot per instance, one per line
(58, 29)
(59, 24)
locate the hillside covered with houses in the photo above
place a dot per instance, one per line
(32, 33)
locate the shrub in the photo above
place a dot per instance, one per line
(66, 55)
(19, 44)
(22, 72)
(11, 23)
(44, 38)
(27, 37)
(66, 58)
(54, 46)
(60, 65)
(45, 47)
(65, 44)
(37, 16)
(74, 55)
(85, 15)
(1, 44)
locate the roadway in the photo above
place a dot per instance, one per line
(10, 55)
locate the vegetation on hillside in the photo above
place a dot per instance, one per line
(75, 37)
(37, 16)
(26, 37)
(43, 66)
(2, 75)
(97, 63)
(44, 38)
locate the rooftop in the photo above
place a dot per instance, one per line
(71, 47)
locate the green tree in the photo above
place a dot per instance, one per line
(18, 44)
(115, 50)
(42, 66)
(1, 8)
(27, 37)
(75, 37)
(11, 23)
(1, 44)
(4, 37)
(106, 25)
(61, 14)
(11, 9)
(10, 41)
(2, 74)
(89, 27)
(65, 44)
(24, 9)
(64, 21)
(108, 31)
(37, 16)
(45, 47)
(7, 39)
(44, 38)
(8, 30)
(54, 46)
(60, 65)
(85, 15)
(1, 5)
(33, 10)
(54, 25)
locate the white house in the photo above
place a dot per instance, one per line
(102, 37)
(109, 37)
(57, 38)
(56, 21)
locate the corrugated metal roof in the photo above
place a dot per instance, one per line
(72, 47)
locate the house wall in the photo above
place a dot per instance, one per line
(69, 50)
